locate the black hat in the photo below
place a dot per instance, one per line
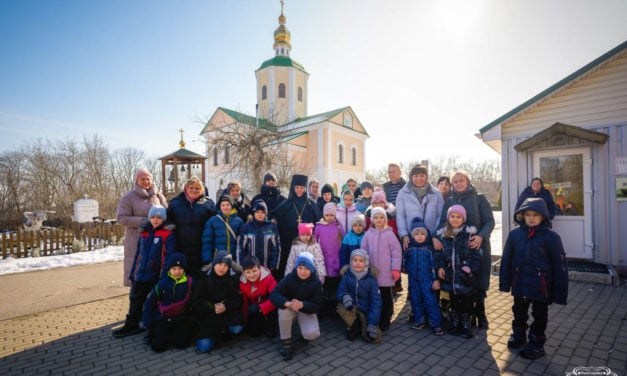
(327, 188)
(260, 205)
(269, 176)
(176, 259)
(299, 180)
(222, 257)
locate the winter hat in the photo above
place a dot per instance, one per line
(269, 176)
(362, 253)
(222, 257)
(366, 184)
(299, 180)
(260, 205)
(379, 195)
(141, 173)
(176, 259)
(227, 198)
(456, 209)
(305, 229)
(360, 218)
(158, 211)
(417, 225)
(306, 259)
(329, 208)
(376, 210)
(327, 188)
(418, 169)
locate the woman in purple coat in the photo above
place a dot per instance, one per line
(133, 211)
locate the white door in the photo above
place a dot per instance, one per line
(566, 174)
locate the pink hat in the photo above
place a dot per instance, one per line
(379, 195)
(329, 208)
(305, 229)
(141, 173)
(456, 209)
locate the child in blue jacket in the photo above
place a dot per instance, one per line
(352, 239)
(359, 298)
(423, 279)
(221, 231)
(167, 315)
(534, 268)
(154, 244)
(260, 238)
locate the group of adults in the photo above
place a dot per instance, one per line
(416, 197)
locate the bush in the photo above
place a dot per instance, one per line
(77, 246)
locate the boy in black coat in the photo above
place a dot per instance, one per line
(534, 267)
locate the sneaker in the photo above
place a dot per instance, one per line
(418, 326)
(516, 342)
(531, 351)
(438, 331)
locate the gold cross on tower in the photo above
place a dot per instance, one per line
(182, 143)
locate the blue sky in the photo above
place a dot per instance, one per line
(422, 76)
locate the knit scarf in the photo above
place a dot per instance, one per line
(420, 192)
(360, 275)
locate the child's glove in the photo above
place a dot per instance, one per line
(372, 331)
(348, 302)
(396, 275)
(253, 308)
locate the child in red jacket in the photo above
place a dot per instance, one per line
(256, 284)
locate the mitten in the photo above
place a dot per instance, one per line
(372, 331)
(396, 275)
(348, 302)
(253, 308)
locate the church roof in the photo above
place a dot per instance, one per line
(247, 119)
(282, 61)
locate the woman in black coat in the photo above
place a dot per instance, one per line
(536, 189)
(189, 211)
(297, 209)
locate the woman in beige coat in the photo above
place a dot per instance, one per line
(133, 210)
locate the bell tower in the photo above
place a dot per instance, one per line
(281, 81)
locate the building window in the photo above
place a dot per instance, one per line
(264, 92)
(340, 153)
(348, 119)
(227, 155)
(281, 90)
(354, 156)
(300, 94)
(215, 156)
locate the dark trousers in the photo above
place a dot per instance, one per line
(177, 333)
(539, 311)
(329, 292)
(387, 304)
(137, 297)
(461, 303)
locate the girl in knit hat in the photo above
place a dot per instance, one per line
(457, 266)
(359, 298)
(379, 200)
(329, 234)
(352, 240)
(305, 242)
(221, 231)
(384, 252)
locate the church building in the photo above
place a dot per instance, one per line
(329, 146)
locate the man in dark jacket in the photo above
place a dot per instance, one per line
(270, 194)
(534, 268)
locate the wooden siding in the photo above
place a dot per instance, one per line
(594, 100)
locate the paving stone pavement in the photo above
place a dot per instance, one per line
(590, 331)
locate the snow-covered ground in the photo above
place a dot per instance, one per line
(116, 253)
(26, 264)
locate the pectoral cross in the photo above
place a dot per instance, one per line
(299, 220)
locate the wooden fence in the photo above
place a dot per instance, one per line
(53, 241)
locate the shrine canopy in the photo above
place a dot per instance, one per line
(178, 167)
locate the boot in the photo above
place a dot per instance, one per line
(473, 321)
(518, 338)
(130, 328)
(353, 331)
(466, 330)
(534, 349)
(455, 323)
(482, 320)
(287, 351)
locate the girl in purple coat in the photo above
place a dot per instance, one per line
(384, 251)
(329, 234)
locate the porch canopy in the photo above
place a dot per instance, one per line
(560, 134)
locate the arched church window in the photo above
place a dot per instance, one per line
(300, 94)
(227, 155)
(354, 156)
(264, 92)
(340, 153)
(281, 90)
(215, 156)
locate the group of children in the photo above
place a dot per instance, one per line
(338, 265)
